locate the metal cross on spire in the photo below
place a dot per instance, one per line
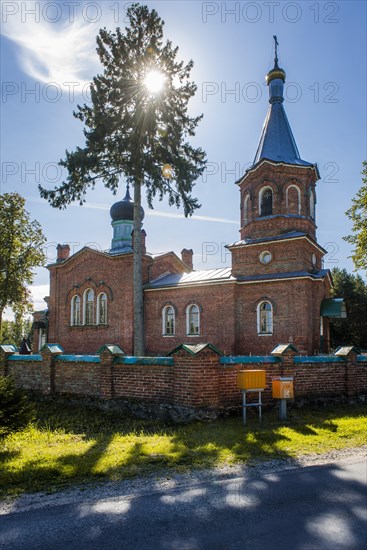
(276, 44)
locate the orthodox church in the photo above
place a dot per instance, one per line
(275, 291)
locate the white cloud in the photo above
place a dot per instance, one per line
(61, 53)
(38, 293)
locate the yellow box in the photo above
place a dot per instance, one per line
(282, 388)
(251, 379)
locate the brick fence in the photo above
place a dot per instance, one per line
(196, 377)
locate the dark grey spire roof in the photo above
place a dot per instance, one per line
(277, 142)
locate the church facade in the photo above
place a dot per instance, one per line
(275, 290)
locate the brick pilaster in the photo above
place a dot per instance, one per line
(107, 354)
(196, 378)
(49, 353)
(352, 382)
(286, 352)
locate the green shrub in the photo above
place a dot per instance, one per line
(15, 409)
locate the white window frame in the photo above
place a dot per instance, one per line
(264, 255)
(168, 310)
(73, 321)
(85, 305)
(42, 335)
(269, 321)
(99, 299)
(298, 193)
(188, 320)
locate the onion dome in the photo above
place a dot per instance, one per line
(124, 210)
(276, 72)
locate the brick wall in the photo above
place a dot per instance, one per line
(77, 377)
(143, 382)
(194, 379)
(311, 379)
(101, 273)
(287, 255)
(27, 373)
(217, 318)
(281, 179)
(294, 320)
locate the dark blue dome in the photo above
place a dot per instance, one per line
(124, 210)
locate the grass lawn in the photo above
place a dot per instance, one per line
(70, 444)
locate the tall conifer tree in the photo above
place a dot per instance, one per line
(137, 127)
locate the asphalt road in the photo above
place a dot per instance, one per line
(310, 508)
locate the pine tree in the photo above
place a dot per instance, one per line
(137, 131)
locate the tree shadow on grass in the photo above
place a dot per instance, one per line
(6, 455)
(196, 445)
(48, 474)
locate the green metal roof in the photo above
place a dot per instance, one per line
(333, 307)
(114, 349)
(194, 349)
(280, 349)
(344, 351)
(53, 348)
(9, 348)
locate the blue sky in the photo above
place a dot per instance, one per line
(48, 56)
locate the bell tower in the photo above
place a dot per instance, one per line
(278, 198)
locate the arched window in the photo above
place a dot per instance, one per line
(102, 309)
(265, 318)
(293, 199)
(312, 205)
(168, 321)
(266, 201)
(88, 307)
(42, 338)
(246, 206)
(75, 311)
(192, 320)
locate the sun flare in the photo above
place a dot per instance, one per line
(154, 81)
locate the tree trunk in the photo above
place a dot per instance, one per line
(138, 275)
(1, 324)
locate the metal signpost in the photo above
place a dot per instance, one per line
(251, 381)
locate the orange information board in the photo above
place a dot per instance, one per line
(251, 379)
(282, 388)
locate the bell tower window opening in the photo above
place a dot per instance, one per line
(293, 199)
(312, 205)
(246, 204)
(266, 201)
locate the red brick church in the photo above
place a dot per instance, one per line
(276, 289)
